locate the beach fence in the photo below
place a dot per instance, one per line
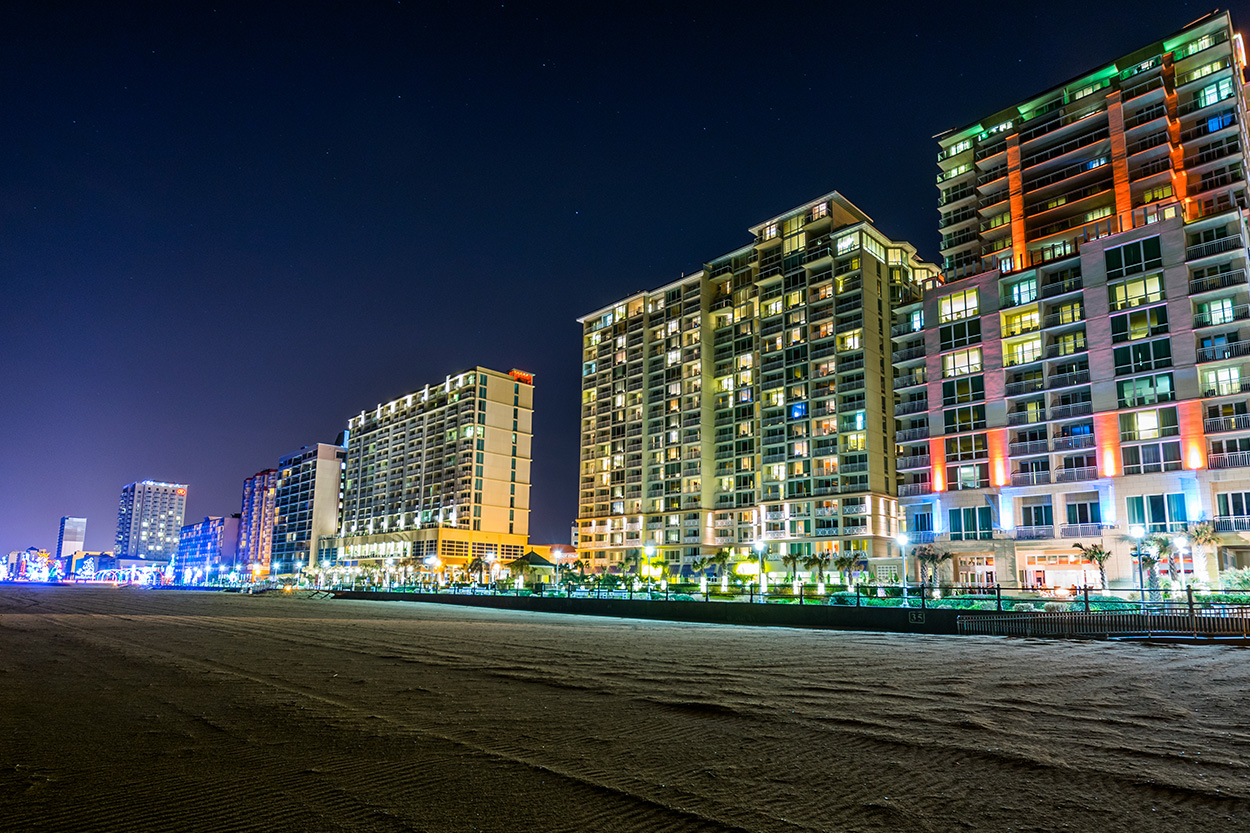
(1154, 619)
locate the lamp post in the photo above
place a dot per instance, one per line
(1182, 546)
(1138, 533)
(902, 548)
(763, 576)
(645, 570)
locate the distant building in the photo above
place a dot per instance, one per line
(440, 476)
(87, 564)
(207, 549)
(72, 536)
(260, 501)
(307, 501)
(149, 517)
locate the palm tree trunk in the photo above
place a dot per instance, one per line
(1102, 577)
(1152, 582)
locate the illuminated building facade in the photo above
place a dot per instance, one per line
(306, 504)
(1082, 362)
(207, 550)
(149, 519)
(750, 403)
(260, 503)
(71, 538)
(440, 476)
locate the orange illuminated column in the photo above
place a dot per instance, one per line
(1119, 161)
(1193, 437)
(1179, 181)
(1015, 196)
(1107, 441)
(1000, 464)
(937, 464)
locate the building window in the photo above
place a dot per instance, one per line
(974, 476)
(964, 419)
(960, 334)
(1141, 324)
(1149, 425)
(958, 305)
(1140, 358)
(1221, 382)
(1135, 292)
(1145, 390)
(1152, 458)
(1133, 258)
(971, 524)
(1084, 510)
(1158, 513)
(1233, 504)
(962, 362)
(959, 391)
(971, 447)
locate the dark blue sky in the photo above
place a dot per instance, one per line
(229, 226)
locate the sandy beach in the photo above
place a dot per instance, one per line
(126, 709)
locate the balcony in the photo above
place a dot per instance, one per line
(1065, 317)
(1073, 443)
(1221, 317)
(912, 489)
(1026, 417)
(1067, 380)
(909, 380)
(1211, 283)
(1019, 328)
(1034, 533)
(1231, 460)
(854, 510)
(1076, 475)
(1024, 388)
(913, 461)
(905, 408)
(1227, 389)
(911, 435)
(1218, 425)
(1076, 409)
(1082, 530)
(1022, 357)
(1061, 287)
(1027, 448)
(1232, 523)
(907, 354)
(1221, 352)
(1029, 478)
(1215, 247)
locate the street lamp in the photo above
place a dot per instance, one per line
(759, 556)
(645, 570)
(1138, 533)
(1182, 546)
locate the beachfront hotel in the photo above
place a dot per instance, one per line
(750, 404)
(439, 476)
(1079, 373)
(149, 520)
(307, 500)
(256, 519)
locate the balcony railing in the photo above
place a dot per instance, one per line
(1029, 478)
(1064, 317)
(1022, 357)
(1024, 388)
(1082, 530)
(907, 354)
(1061, 287)
(1073, 443)
(1216, 425)
(1026, 417)
(1076, 409)
(1030, 447)
(908, 435)
(1223, 280)
(1228, 389)
(1232, 523)
(1074, 475)
(1221, 316)
(1221, 352)
(909, 380)
(1214, 247)
(1066, 380)
(910, 489)
(1231, 460)
(905, 408)
(1034, 533)
(914, 461)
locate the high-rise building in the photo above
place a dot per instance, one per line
(207, 550)
(751, 403)
(1082, 364)
(260, 496)
(71, 538)
(440, 476)
(149, 518)
(307, 503)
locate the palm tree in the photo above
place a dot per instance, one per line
(632, 561)
(819, 561)
(478, 565)
(1098, 555)
(720, 560)
(791, 562)
(1167, 551)
(1203, 535)
(1158, 548)
(580, 566)
(844, 563)
(700, 564)
(930, 559)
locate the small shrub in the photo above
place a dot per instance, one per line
(1023, 607)
(1235, 579)
(683, 597)
(1055, 607)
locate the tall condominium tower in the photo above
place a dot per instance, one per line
(1082, 364)
(306, 504)
(440, 476)
(71, 537)
(149, 518)
(750, 403)
(260, 501)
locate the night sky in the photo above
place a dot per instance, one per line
(227, 227)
